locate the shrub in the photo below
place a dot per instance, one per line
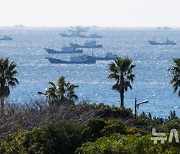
(147, 123)
(108, 145)
(127, 144)
(62, 137)
(14, 143)
(115, 112)
(91, 130)
(113, 126)
(134, 130)
(173, 124)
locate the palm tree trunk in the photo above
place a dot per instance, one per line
(122, 90)
(2, 106)
(122, 98)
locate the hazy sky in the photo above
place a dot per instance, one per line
(119, 13)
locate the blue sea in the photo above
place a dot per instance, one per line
(152, 81)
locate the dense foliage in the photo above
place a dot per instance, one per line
(96, 136)
(127, 144)
(62, 137)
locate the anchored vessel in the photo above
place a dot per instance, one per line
(83, 59)
(167, 42)
(92, 36)
(6, 38)
(65, 49)
(73, 60)
(109, 56)
(88, 44)
(72, 34)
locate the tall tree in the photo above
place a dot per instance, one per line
(175, 70)
(121, 71)
(7, 79)
(62, 91)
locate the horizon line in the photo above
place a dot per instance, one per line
(92, 26)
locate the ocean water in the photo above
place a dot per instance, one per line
(152, 81)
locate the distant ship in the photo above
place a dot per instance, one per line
(70, 49)
(6, 38)
(51, 51)
(92, 36)
(72, 34)
(163, 28)
(166, 28)
(80, 29)
(168, 42)
(158, 28)
(88, 44)
(65, 49)
(109, 56)
(83, 59)
(19, 26)
(73, 60)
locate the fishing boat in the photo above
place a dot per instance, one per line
(167, 42)
(72, 34)
(70, 49)
(108, 56)
(6, 38)
(64, 49)
(92, 36)
(51, 51)
(73, 60)
(88, 44)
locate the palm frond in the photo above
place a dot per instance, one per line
(175, 71)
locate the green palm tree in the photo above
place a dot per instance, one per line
(175, 70)
(62, 91)
(7, 79)
(121, 70)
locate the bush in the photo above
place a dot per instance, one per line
(115, 112)
(113, 126)
(91, 130)
(108, 145)
(173, 124)
(147, 123)
(62, 137)
(134, 130)
(14, 143)
(127, 144)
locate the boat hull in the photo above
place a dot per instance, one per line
(66, 35)
(6, 39)
(52, 51)
(91, 36)
(102, 58)
(96, 46)
(84, 46)
(74, 51)
(59, 61)
(156, 43)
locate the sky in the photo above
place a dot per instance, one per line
(107, 13)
